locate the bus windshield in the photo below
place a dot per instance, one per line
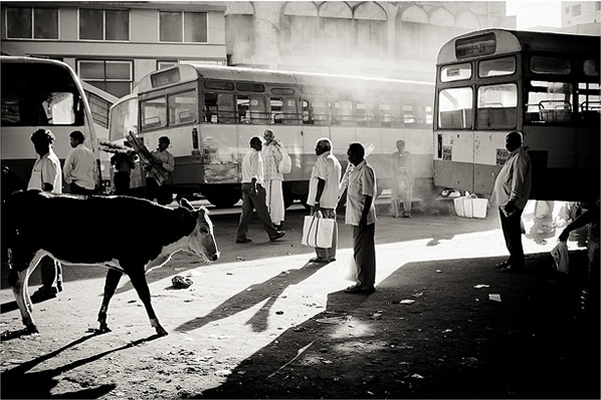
(123, 118)
(31, 96)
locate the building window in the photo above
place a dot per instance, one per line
(114, 77)
(31, 23)
(576, 10)
(164, 64)
(103, 24)
(188, 27)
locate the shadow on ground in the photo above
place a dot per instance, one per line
(436, 337)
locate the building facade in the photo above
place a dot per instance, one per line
(581, 17)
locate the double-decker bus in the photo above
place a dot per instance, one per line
(544, 85)
(210, 113)
(40, 93)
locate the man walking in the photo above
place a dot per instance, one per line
(510, 193)
(80, 166)
(253, 194)
(47, 176)
(323, 193)
(360, 182)
(273, 178)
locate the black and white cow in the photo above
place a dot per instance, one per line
(126, 234)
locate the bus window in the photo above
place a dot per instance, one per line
(385, 114)
(182, 108)
(56, 108)
(307, 113)
(364, 113)
(226, 108)
(342, 112)
(455, 108)
(591, 68)
(290, 114)
(123, 119)
(588, 98)
(252, 109)
(550, 65)
(549, 102)
(210, 110)
(497, 106)
(219, 108)
(429, 115)
(242, 105)
(321, 112)
(409, 116)
(498, 67)
(258, 110)
(153, 113)
(457, 72)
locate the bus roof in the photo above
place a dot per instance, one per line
(505, 41)
(187, 73)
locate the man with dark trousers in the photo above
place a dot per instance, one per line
(511, 191)
(253, 194)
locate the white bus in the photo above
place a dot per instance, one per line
(210, 113)
(40, 93)
(545, 85)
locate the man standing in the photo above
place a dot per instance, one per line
(165, 160)
(253, 194)
(360, 182)
(323, 193)
(273, 178)
(511, 191)
(47, 176)
(80, 166)
(402, 180)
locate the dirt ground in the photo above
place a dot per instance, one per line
(280, 327)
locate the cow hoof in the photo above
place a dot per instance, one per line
(161, 331)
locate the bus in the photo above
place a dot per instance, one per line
(544, 85)
(40, 93)
(211, 112)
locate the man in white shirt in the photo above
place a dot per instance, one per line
(47, 176)
(165, 160)
(253, 194)
(323, 193)
(80, 166)
(511, 191)
(273, 178)
(360, 182)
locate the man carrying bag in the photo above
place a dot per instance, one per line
(323, 196)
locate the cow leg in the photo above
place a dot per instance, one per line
(110, 286)
(138, 280)
(18, 279)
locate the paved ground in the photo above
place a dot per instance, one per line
(264, 323)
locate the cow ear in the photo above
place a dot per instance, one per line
(186, 204)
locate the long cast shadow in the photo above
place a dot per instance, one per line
(444, 345)
(254, 294)
(17, 384)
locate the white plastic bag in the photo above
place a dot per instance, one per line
(561, 257)
(285, 165)
(349, 270)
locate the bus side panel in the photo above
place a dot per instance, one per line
(453, 174)
(220, 154)
(484, 178)
(559, 143)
